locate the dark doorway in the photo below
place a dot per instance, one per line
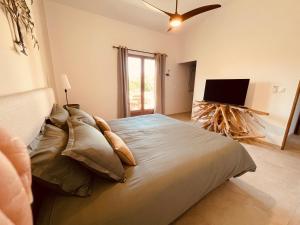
(292, 129)
(297, 130)
(189, 68)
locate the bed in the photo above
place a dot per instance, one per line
(177, 165)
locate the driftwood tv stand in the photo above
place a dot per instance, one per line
(236, 122)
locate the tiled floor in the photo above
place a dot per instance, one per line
(270, 196)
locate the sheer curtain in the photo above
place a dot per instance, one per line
(123, 83)
(160, 63)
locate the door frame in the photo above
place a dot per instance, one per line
(288, 127)
(142, 111)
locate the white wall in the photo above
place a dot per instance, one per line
(250, 39)
(19, 73)
(244, 39)
(81, 44)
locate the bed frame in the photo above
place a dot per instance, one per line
(24, 113)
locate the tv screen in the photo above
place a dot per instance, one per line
(231, 91)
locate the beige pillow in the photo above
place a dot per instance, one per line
(120, 148)
(102, 124)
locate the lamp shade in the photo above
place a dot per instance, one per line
(65, 82)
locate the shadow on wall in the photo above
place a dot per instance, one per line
(259, 97)
(260, 93)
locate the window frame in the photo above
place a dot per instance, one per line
(142, 111)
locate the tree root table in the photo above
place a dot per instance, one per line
(236, 122)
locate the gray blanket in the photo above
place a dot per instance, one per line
(178, 164)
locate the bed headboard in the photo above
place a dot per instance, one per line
(23, 114)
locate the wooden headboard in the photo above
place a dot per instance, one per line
(23, 114)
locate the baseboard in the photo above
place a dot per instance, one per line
(264, 143)
(178, 113)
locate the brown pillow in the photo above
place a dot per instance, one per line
(55, 171)
(89, 146)
(82, 115)
(120, 148)
(102, 124)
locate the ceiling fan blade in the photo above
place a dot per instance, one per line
(169, 29)
(157, 9)
(199, 10)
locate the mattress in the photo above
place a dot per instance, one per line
(177, 165)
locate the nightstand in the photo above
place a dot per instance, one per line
(76, 106)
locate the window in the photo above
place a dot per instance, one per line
(141, 72)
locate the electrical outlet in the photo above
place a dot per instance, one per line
(276, 89)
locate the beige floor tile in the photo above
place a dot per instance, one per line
(270, 196)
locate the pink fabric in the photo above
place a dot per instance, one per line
(16, 152)
(15, 182)
(4, 219)
(13, 197)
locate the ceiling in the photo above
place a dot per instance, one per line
(137, 13)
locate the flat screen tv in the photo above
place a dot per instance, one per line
(230, 91)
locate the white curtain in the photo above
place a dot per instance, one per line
(123, 83)
(160, 63)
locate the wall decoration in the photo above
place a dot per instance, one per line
(21, 22)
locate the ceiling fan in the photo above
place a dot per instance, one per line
(177, 19)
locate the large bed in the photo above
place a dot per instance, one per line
(177, 165)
